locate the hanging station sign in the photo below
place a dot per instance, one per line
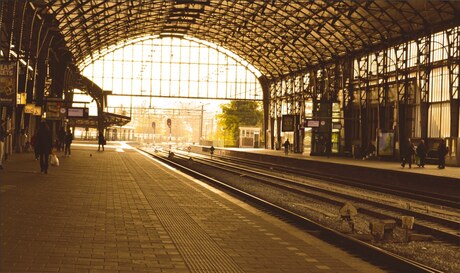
(77, 112)
(29, 108)
(289, 122)
(52, 110)
(312, 123)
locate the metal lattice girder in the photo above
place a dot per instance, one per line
(289, 95)
(272, 105)
(277, 37)
(334, 77)
(313, 82)
(306, 86)
(401, 72)
(318, 87)
(276, 99)
(328, 82)
(347, 70)
(363, 80)
(453, 38)
(424, 61)
(299, 94)
(294, 92)
(382, 76)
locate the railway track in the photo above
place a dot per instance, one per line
(368, 251)
(429, 220)
(437, 199)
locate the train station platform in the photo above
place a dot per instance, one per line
(122, 211)
(429, 169)
(438, 182)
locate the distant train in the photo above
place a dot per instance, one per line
(119, 133)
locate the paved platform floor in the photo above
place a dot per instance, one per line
(121, 211)
(430, 169)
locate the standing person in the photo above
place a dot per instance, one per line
(22, 141)
(44, 144)
(101, 141)
(421, 153)
(328, 148)
(370, 151)
(442, 151)
(2, 143)
(286, 146)
(33, 142)
(61, 139)
(407, 153)
(68, 142)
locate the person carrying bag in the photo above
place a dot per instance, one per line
(54, 160)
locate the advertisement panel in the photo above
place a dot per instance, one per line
(7, 82)
(385, 144)
(52, 110)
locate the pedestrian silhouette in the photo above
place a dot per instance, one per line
(286, 145)
(68, 142)
(44, 145)
(442, 152)
(101, 141)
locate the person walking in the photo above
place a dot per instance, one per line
(212, 149)
(421, 153)
(2, 143)
(407, 152)
(44, 145)
(101, 141)
(68, 142)
(286, 145)
(442, 151)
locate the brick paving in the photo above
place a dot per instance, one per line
(120, 211)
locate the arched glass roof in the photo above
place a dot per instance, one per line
(173, 67)
(277, 37)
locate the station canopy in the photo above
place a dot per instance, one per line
(277, 37)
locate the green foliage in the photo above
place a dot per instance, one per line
(239, 114)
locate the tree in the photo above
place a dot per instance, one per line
(239, 113)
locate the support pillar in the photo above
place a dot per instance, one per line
(266, 110)
(454, 117)
(278, 132)
(424, 106)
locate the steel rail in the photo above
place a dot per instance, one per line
(450, 201)
(370, 252)
(448, 231)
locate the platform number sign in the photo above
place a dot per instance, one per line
(168, 122)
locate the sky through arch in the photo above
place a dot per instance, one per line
(171, 67)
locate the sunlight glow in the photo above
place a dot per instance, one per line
(152, 79)
(173, 67)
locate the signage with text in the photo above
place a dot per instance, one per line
(29, 108)
(76, 112)
(7, 82)
(312, 123)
